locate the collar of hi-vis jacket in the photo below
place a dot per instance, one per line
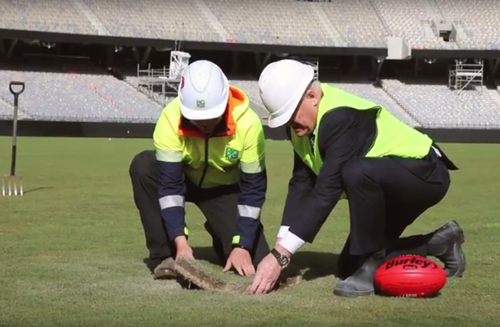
(225, 127)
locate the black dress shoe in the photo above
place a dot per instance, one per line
(446, 245)
(361, 282)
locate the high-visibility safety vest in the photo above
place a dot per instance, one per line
(213, 161)
(393, 136)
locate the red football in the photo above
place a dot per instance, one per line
(410, 276)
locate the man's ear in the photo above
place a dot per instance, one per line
(312, 96)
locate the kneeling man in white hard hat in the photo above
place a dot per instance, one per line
(209, 149)
(348, 146)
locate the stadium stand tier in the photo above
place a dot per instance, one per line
(290, 22)
(179, 19)
(45, 16)
(83, 92)
(435, 105)
(480, 20)
(77, 90)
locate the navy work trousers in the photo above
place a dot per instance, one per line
(218, 205)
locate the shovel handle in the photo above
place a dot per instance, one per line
(16, 92)
(16, 83)
(16, 88)
(13, 160)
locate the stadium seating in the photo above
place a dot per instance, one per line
(345, 17)
(434, 105)
(270, 22)
(78, 91)
(378, 96)
(175, 19)
(46, 16)
(66, 96)
(5, 109)
(356, 23)
(480, 18)
(410, 20)
(426, 105)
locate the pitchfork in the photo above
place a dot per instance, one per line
(12, 184)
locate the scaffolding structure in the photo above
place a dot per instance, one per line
(466, 75)
(161, 84)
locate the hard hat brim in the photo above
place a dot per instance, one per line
(205, 114)
(278, 121)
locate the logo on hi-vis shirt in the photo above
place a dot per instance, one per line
(231, 154)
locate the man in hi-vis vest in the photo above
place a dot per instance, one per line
(209, 149)
(348, 147)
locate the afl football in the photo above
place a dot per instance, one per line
(410, 276)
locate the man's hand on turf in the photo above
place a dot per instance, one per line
(268, 272)
(183, 248)
(241, 261)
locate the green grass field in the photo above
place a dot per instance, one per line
(73, 249)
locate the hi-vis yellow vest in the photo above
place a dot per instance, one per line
(215, 161)
(393, 136)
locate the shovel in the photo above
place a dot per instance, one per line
(12, 185)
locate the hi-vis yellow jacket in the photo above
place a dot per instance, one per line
(234, 154)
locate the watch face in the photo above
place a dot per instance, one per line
(283, 260)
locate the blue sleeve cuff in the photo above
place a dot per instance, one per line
(175, 224)
(251, 199)
(246, 232)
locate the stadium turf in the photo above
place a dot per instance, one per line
(72, 249)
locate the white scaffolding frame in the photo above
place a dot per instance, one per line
(465, 74)
(163, 83)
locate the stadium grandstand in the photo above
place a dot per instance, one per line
(88, 60)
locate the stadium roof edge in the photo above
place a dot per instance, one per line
(242, 47)
(187, 45)
(448, 53)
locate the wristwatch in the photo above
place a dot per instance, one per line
(282, 260)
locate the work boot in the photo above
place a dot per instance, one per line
(165, 270)
(446, 245)
(361, 282)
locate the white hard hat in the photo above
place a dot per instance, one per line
(203, 91)
(282, 85)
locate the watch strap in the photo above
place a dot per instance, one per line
(282, 260)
